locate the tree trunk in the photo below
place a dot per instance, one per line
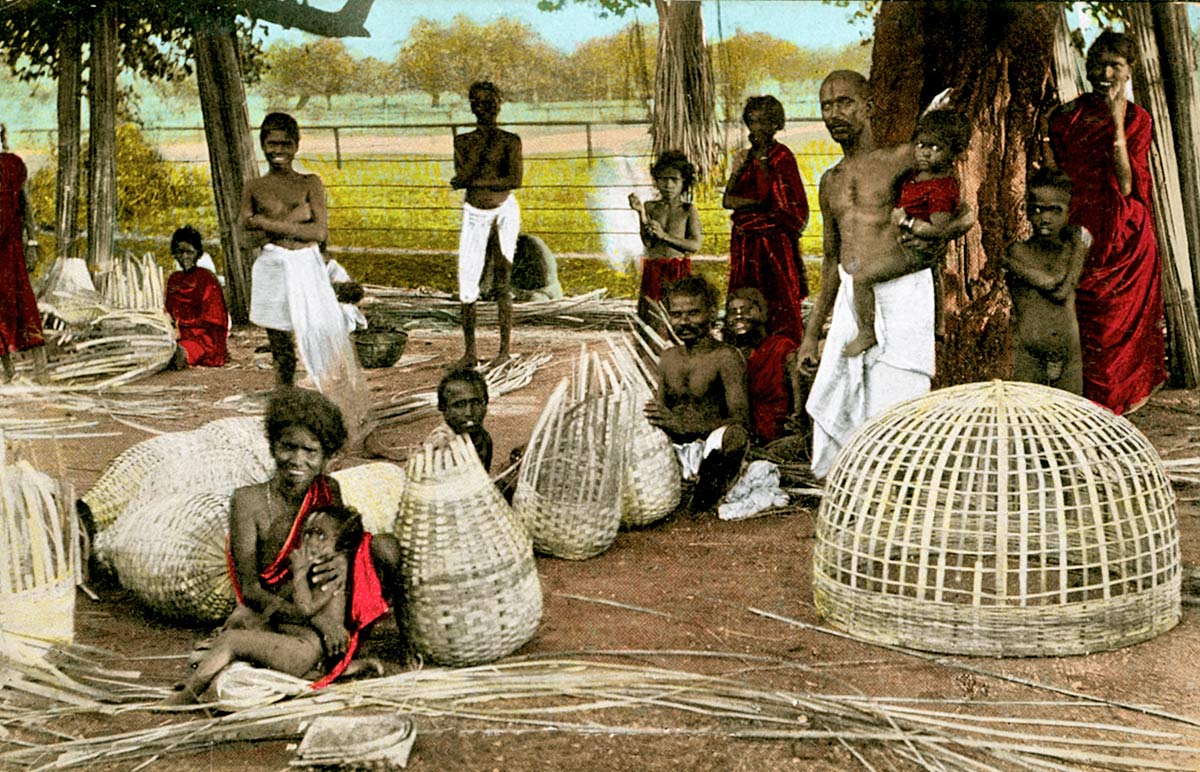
(70, 91)
(230, 151)
(998, 57)
(684, 104)
(102, 141)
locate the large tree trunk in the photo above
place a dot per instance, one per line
(998, 57)
(102, 141)
(684, 103)
(70, 89)
(230, 152)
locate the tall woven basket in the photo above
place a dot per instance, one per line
(570, 488)
(473, 593)
(1000, 519)
(374, 490)
(39, 563)
(171, 556)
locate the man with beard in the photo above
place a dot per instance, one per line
(768, 362)
(701, 402)
(857, 196)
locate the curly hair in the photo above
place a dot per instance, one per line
(350, 525)
(769, 106)
(675, 159)
(279, 122)
(187, 235)
(485, 85)
(1050, 178)
(465, 375)
(949, 126)
(292, 406)
(1117, 43)
(693, 286)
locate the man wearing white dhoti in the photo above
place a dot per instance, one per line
(857, 196)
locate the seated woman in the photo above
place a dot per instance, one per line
(266, 521)
(196, 305)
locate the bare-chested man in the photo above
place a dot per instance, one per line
(488, 164)
(702, 403)
(857, 197)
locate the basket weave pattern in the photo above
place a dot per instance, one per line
(374, 490)
(472, 589)
(1002, 519)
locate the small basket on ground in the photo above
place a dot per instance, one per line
(570, 488)
(998, 519)
(39, 563)
(374, 490)
(472, 593)
(379, 348)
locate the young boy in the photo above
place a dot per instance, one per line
(462, 399)
(670, 227)
(1042, 273)
(488, 165)
(928, 200)
(290, 648)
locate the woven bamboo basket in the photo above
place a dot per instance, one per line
(570, 490)
(653, 481)
(1000, 519)
(124, 475)
(379, 348)
(39, 563)
(374, 490)
(171, 556)
(472, 589)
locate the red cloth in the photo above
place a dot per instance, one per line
(196, 303)
(767, 376)
(20, 322)
(764, 246)
(366, 593)
(920, 199)
(1119, 300)
(659, 271)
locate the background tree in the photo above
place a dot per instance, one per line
(744, 61)
(376, 78)
(321, 68)
(423, 59)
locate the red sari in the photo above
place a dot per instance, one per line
(20, 322)
(767, 387)
(1119, 300)
(196, 303)
(764, 246)
(366, 604)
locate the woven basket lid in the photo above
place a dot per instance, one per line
(1000, 518)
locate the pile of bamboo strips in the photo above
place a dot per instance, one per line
(405, 307)
(133, 283)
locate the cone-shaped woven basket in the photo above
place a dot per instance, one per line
(1000, 519)
(38, 563)
(374, 490)
(171, 556)
(124, 475)
(569, 491)
(472, 589)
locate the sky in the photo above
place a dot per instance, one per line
(807, 23)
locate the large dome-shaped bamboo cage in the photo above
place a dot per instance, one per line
(1001, 519)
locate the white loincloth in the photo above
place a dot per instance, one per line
(472, 242)
(690, 454)
(848, 390)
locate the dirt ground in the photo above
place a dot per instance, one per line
(701, 574)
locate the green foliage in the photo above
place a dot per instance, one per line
(321, 68)
(604, 7)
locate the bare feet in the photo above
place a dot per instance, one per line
(498, 360)
(1054, 369)
(859, 345)
(366, 667)
(181, 696)
(467, 361)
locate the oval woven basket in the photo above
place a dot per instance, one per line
(999, 519)
(374, 490)
(472, 589)
(38, 563)
(379, 348)
(653, 480)
(171, 556)
(124, 475)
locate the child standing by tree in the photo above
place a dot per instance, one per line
(670, 227)
(1042, 273)
(928, 200)
(298, 649)
(488, 165)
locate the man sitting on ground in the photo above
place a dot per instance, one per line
(767, 362)
(701, 403)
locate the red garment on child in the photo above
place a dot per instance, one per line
(920, 199)
(657, 272)
(764, 245)
(366, 593)
(20, 322)
(196, 303)
(767, 376)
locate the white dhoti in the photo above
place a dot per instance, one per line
(690, 454)
(849, 390)
(472, 242)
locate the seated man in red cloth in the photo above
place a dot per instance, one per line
(768, 369)
(195, 303)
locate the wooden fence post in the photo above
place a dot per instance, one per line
(337, 146)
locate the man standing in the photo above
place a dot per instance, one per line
(857, 197)
(768, 359)
(701, 402)
(488, 165)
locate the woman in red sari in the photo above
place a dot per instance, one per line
(20, 322)
(770, 211)
(196, 304)
(1102, 142)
